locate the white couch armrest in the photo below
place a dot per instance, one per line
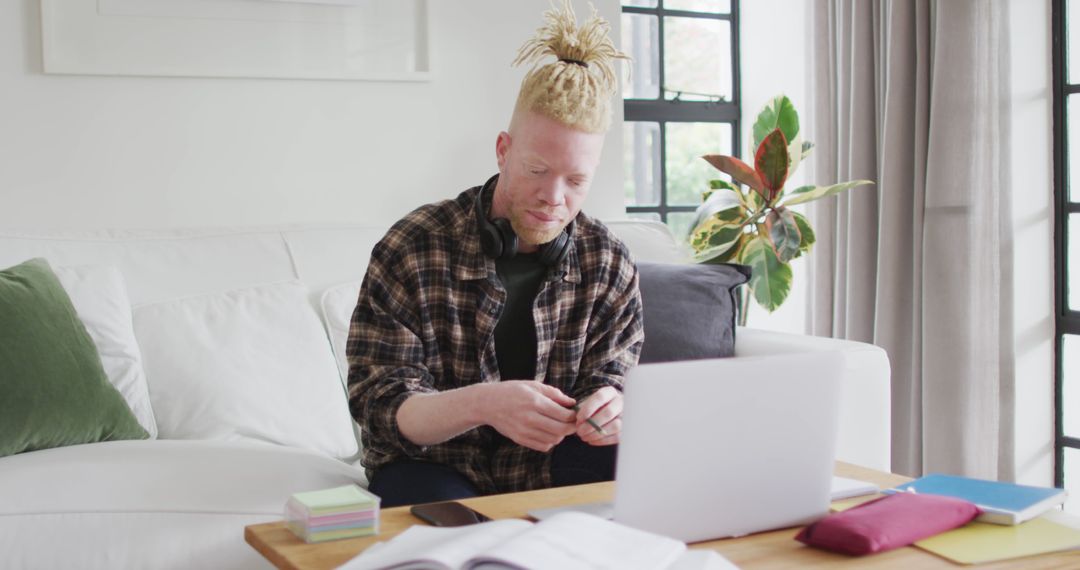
(865, 412)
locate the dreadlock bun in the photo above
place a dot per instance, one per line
(575, 89)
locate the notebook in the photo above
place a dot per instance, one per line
(570, 541)
(1002, 503)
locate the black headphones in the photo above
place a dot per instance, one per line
(498, 240)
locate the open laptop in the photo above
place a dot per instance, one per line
(725, 447)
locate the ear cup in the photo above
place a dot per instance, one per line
(553, 252)
(497, 237)
(490, 241)
(508, 240)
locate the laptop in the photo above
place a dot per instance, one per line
(725, 447)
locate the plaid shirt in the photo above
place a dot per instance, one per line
(425, 319)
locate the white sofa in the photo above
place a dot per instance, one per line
(164, 503)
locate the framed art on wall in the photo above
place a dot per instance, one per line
(300, 39)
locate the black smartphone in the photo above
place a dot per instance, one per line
(449, 513)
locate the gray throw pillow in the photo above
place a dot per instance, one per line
(689, 310)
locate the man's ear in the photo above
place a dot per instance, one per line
(502, 148)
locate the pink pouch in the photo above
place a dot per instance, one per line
(887, 523)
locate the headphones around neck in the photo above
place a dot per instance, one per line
(498, 240)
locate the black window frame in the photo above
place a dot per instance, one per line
(663, 111)
(1066, 321)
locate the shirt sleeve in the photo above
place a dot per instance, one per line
(386, 353)
(613, 344)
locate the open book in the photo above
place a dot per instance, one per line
(568, 541)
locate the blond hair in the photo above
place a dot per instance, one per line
(575, 89)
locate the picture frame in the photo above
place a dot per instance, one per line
(377, 40)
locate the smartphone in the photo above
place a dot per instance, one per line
(449, 513)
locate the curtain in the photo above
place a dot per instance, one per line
(913, 94)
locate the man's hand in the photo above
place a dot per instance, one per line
(535, 415)
(604, 407)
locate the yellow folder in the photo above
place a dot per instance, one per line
(977, 542)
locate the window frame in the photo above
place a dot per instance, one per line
(1066, 321)
(664, 111)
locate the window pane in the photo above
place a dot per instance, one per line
(653, 216)
(688, 175)
(1072, 271)
(643, 3)
(697, 59)
(1072, 478)
(679, 222)
(641, 41)
(721, 6)
(641, 161)
(1070, 385)
(1072, 110)
(1072, 32)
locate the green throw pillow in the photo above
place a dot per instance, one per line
(53, 390)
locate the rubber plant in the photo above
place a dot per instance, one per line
(750, 220)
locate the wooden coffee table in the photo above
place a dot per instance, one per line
(775, 549)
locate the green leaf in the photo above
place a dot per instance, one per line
(755, 201)
(822, 191)
(733, 253)
(795, 154)
(801, 190)
(806, 233)
(722, 185)
(739, 170)
(714, 233)
(770, 278)
(731, 215)
(772, 161)
(807, 146)
(778, 113)
(784, 233)
(715, 185)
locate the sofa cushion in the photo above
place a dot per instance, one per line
(151, 504)
(338, 303)
(163, 264)
(251, 364)
(53, 389)
(689, 310)
(100, 298)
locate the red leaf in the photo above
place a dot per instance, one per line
(772, 161)
(738, 170)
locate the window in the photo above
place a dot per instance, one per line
(1067, 239)
(681, 101)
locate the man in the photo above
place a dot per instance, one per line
(493, 331)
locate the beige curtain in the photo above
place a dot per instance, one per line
(913, 94)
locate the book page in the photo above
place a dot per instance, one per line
(572, 541)
(423, 546)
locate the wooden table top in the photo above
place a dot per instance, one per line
(772, 550)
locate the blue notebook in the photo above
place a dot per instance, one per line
(1002, 503)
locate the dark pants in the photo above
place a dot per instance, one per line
(410, 482)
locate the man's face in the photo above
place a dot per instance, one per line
(545, 171)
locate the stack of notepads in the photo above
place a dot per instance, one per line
(341, 512)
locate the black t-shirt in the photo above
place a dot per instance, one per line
(515, 333)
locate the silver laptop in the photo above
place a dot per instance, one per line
(726, 447)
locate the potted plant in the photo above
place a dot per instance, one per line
(750, 220)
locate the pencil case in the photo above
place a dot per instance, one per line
(887, 523)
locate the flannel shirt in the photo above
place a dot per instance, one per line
(425, 320)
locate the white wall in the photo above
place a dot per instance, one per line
(1033, 230)
(145, 152)
(766, 73)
